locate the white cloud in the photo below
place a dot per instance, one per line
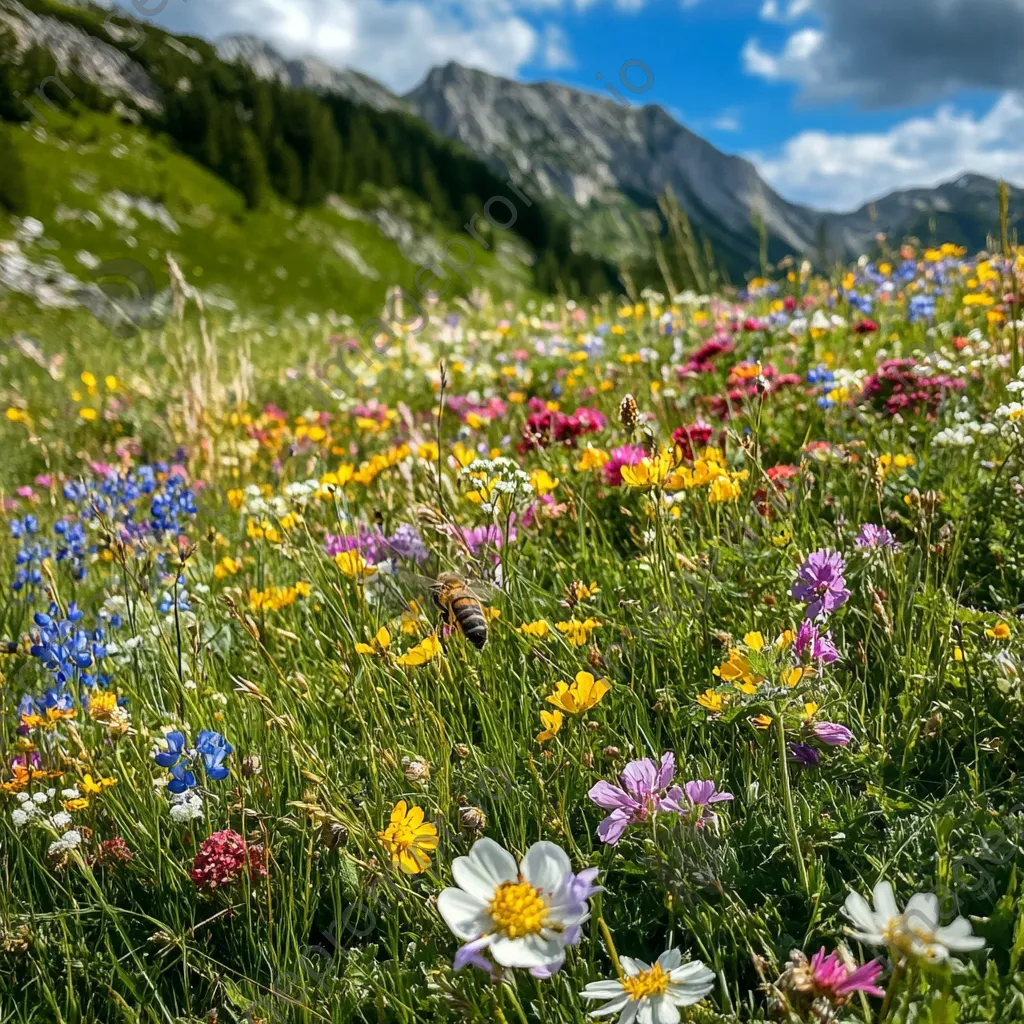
(799, 60)
(557, 52)
(842, 171)
(394, 41)
(789, 10)
(727, 121)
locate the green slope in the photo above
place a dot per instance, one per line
(269, 261)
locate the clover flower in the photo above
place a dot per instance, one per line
(224, 858)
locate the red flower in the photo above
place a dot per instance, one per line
(690, 439)
(865, 327)
(223, 858)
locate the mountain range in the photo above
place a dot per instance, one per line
(606, 163)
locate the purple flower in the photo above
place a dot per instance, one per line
(832, 733)
(804, 754)
(492, 536)
(820, 583)
(819, 645)
(701, 796)
(644, 791)
(872, 536)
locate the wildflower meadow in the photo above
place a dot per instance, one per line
(738, 736)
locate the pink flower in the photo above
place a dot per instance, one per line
(701, 796)
(625, 455)
(223, 858)
(644, 791)
(834, 980)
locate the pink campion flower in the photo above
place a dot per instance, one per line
(834, 980)
(832, 733)
(702, 795)
(821, 583)
(645, 790)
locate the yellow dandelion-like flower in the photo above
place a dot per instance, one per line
(552, 722)
(409, 839)
(584, 693)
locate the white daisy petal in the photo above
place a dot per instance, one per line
(923, 911)
(613, 1007)
(670, 960)
(488, 865)
(464, 914)
(663, 1010)
(629, 1013)
(630, 967)
(545, 866)
(602, 990)
(859, 912)
(885, 901)
(528, 951)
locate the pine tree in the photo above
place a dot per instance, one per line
(14, 191)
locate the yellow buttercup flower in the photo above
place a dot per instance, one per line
(423, 652)
(93, 787)
(539, 629)
(755, 641)
(584, 693)
(378, 645)
(736, 669)
(648, 472)
(552, 722)
(409, 839)
(1000, 631)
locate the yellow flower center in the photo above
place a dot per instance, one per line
(401, 837)
(647, 983)
(518, 909)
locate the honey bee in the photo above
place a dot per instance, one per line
(460, 602)
(462, 607)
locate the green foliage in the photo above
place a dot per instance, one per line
(14, 187)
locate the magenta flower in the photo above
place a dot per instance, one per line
(701, 796)
(820, 583)
(837, 982)
(872, 536)
(832, 733)
(818, 645)
(645, 790)
(624, 455)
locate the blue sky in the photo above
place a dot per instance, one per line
(835, 101)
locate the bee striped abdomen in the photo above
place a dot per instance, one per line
(470, 617)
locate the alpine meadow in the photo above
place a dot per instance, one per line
(457, 569)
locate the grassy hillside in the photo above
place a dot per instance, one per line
(269, 261)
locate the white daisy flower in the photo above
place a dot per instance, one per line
(524, 915)
(652, 995)
(914, 932)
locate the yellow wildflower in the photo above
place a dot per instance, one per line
(423, 652)
(409, 839)
(378, 645)
(1000, 631)
(584, 693)
(539, 629)
(576, 632)
(713, 701)
(552, 722)
(353, 565)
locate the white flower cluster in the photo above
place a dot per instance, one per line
(301, 491)
(34, 810)
(499, 476)
(186, 807)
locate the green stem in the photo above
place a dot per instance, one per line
(787, 796)
(610, 944)
(890, 991)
